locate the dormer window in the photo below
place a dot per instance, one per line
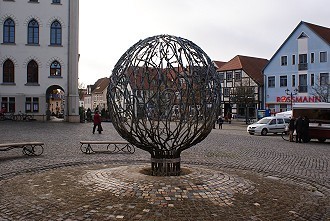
(302, 35)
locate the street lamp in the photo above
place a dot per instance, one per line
(289, 92)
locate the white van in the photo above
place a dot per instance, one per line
(268, 125)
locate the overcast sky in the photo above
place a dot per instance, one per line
(222, 28)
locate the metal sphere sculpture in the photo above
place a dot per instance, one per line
(164, 97)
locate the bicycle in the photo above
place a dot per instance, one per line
(286, 135)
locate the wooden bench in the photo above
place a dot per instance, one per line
(29, 148)
(112, 146)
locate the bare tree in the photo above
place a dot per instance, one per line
(245, 96)
(322, 89)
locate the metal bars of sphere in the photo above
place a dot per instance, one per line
(163, 97)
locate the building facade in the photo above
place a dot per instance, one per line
(299, 70)
(242, 86)
(39, 56)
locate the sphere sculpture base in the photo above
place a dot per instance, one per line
(165, 167)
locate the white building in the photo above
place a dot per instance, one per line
(299, 67)
(38, 55)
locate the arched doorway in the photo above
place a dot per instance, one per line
(55, 103)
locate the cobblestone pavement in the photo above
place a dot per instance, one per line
(229, 176)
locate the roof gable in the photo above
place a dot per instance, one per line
(322, 32)
(101, 86)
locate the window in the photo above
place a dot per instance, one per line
(31, 104)
(238, 75)
(4, 104)
(283, 81)
(293, 59)
(8, 104)
(302, 62)
(272, 122)
(293, 80)
(35, 104)
(221, 77)
(229, 76)
(33, 32)
(312, 57)
(312, 80)
(226, 92)
(284, 60)
(302, 83)
(323, 56)
(56, 33)
(324, 79)
(33, 1)
(56, 1)
(32, 72)
(271, 81)
(282, 108)
(9, 31)
(55, 69)
(8, 71)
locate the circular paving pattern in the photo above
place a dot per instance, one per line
(218, 187)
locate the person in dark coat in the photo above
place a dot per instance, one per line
(299, 128)
(97, 122)
(220, 122)
(305, 129)
(291, 128)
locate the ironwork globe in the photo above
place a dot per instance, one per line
(164, 97)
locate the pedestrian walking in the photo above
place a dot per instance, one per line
(97, 123)
(298, 127)
(220, 122)
(291, 128)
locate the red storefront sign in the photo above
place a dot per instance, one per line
(299, 99)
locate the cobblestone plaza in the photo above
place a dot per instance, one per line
(231, 175)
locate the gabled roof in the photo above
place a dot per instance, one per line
(101, 85)
(322, 32)
(250, 65)
(219, 64)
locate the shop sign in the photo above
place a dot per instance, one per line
(299, 99)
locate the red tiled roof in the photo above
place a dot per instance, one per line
(323, 32)
(250, 65)
(219, 64)
(101, 86)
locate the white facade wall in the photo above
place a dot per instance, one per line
(44, 54)
(275, 97)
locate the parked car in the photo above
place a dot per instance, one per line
(268, 125)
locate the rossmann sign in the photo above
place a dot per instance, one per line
(299, 99)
